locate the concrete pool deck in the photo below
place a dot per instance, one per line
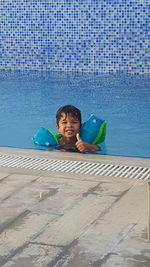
(50, 218)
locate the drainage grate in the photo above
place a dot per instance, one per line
(80, 167)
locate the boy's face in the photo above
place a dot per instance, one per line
(68, 126)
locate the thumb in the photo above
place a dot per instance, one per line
(78, 137)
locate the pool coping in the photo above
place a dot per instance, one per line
(97, 158)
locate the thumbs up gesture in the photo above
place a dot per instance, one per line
(78, 137)
(81, 145)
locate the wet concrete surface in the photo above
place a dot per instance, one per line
(72, 220)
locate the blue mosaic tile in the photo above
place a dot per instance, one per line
(74, 35)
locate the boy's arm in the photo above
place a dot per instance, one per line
(83, 146)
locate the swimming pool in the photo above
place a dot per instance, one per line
(29, 100)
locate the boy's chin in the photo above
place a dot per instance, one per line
(69, 136)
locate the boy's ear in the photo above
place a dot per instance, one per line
(57, 126)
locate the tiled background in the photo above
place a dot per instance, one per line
(74, 35)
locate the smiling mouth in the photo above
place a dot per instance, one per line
(69, 132)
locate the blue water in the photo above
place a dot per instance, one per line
(29, 100)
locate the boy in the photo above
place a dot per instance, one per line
(68, 123)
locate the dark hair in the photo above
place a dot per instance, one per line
(68, 109)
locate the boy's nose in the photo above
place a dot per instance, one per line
(69, 124)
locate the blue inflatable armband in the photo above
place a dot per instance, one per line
(45, 137)
(93, 131)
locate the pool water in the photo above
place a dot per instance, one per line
(29, 100)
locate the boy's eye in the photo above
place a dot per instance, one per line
(73, 122)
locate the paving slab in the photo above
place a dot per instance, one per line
(69, 219)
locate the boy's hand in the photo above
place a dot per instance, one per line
(83, 146)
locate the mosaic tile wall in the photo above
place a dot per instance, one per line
(74, 35)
